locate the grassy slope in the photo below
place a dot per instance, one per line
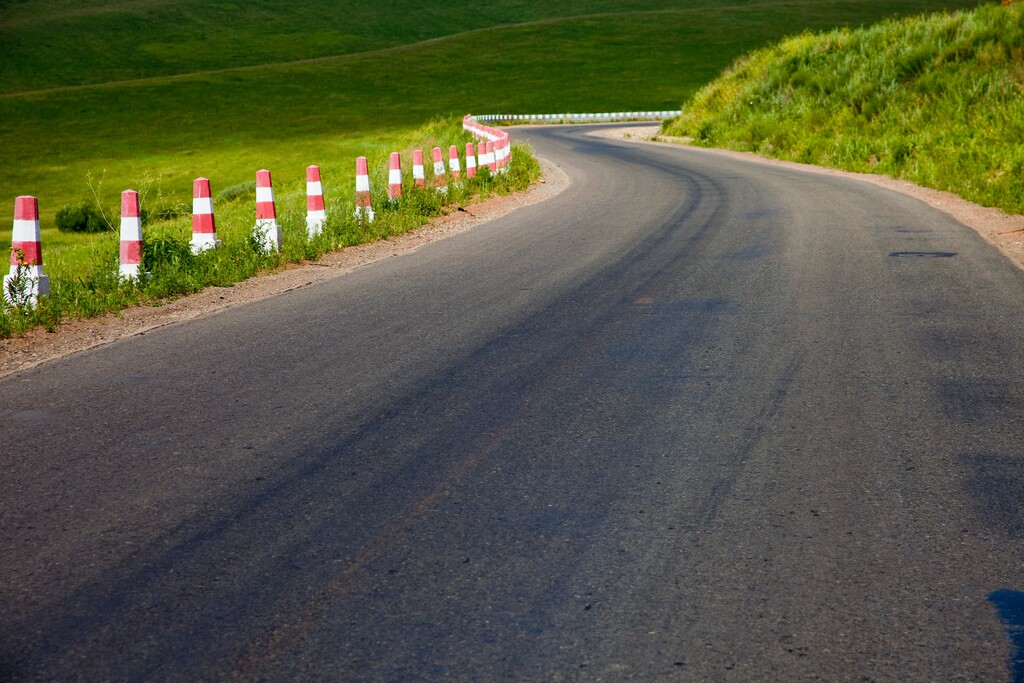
(226, 124)
(938, 100)
(51, 43)
(63, 42)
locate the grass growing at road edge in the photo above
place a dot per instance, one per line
(89, 285)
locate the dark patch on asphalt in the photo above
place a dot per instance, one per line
(133, 379)
(590, 149)
(711, 306)
(1010, 605)
(980, 401)
(764, 213)
(751, 253)
(953, 343)
(26, 417)
(923, 254)
(996, 483)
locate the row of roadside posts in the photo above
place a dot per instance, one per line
(29, 281)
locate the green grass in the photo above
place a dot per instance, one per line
(84, 281)
(55, 43)
(938, 100)
(228, 124)
(98, 96)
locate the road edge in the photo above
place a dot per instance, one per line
(1003, 230)
(38, 346)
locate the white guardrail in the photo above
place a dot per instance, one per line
(576, 118)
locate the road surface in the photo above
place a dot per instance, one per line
(694, 418)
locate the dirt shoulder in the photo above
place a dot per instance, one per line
(39, 346)
(1005, 231)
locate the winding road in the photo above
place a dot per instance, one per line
(694, 418)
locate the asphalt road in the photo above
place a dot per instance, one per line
(694, 418)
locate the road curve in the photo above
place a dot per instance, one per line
(694, 418)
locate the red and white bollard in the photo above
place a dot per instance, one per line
(503, 158)
(395, 177)
(204, 228)
(492, 157)
(502, 152)
(470, 161)
(316, 214)
(26, 281)
(266, 230)
(364, 209)
(417, 168)
(440, 179)
(481, 151)
(453, 165)
(131, 236)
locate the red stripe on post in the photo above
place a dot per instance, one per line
(26, 208)
(201, 188)
(131, 253)
(203, 224)
(129, 204)
(33, 254)
(265, 211)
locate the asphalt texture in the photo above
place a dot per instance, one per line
(694, 418)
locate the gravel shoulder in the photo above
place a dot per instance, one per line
(38, 346)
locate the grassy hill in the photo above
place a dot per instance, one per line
(173, 89)
(55, 43)
(938, 100)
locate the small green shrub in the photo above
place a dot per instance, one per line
(80, 218)
(239, 191)
(166, 213)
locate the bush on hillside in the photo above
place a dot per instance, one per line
(237, 191)
(166, 213)
(80, 218)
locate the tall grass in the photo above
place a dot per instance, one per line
(88, 284)
(938, 100)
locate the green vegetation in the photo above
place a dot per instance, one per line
(57, 43)
(938, 100)
(88, 283)
(81, 217)
(220, 97)
(98, 96)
